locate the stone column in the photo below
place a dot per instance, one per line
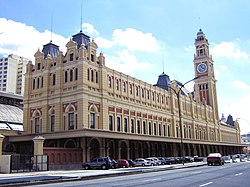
(38, 145)
(1, 145)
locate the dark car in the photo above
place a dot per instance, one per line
(98, 163)
(114, 164)
(170, 160)
(131, 163)
(198, 159)
(215, 158)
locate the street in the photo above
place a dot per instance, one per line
(231, 174)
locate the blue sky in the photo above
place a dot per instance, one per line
(138, 36)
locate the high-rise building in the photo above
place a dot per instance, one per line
(12, 70)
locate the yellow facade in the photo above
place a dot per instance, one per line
(76, 96)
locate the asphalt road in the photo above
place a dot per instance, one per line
(229, 175)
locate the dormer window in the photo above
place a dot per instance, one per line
(38, 66)
(92, 57)
(71, 57)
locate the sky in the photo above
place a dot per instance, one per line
(143, 38)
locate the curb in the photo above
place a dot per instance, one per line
(70, 179)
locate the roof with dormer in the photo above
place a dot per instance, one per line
(163, 81)
(81, 39)
(50, 49)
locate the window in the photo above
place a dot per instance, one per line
(169, 134)
(88, 74)
(71, 120)
(124, 86)
(132, 126)
(34, 84)
(42, 82)
(54, 79)
(92, 120)
(92, 75)
(71, 75)
(164, 130)
(38, 66)
(125, 124)
(38, 82)
(37, 125)
(148, 94)
(110, 123)
(149, 128)
(155, 129)
(76, 74)
(52, 123)
(142, 93)
(144, 128)
(136, 91)
(130, 88)
(177, 131)
(65, 76)
(118, 124)
(96, 77)
(71, 57)
(138, 127)
(117, 84)
(159, 129)
(109, 81)
(92, 57)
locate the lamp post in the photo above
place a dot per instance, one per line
(177, 93)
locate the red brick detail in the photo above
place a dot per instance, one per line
(138, 114)
(155, 117)
(144, 115)
(132, 113)
(111, 109)
(126, 112)
(149, 116)
(119, 110)
(60, 156)
(160, 118)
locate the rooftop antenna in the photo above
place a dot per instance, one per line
(81, 19)
(163, 64)
(51, 26)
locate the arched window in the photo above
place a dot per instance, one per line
(88, 74)
(52, 119)
(34, 83)
(125, 124)
(131, 88)
(169, 131)
(36, 116)
(118, 124)
(38, 83)
(66, 76)
(189, 132)
(92, 75)
(71, 75)
(96, 77)
(76, 74)
(93, 117)
(159, 129)
(54, 79)
(117, 84)
(149, 128)
(136, 91)
(124, 86)
(110, 122)
(138, 127)
(109, 82)
(142, 92)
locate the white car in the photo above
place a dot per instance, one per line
(141, 162)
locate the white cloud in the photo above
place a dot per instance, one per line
(240, 85)
(135, 40)
(104, 43)
(23, 40)
(229, 50)
(126, 62)
(89, 30)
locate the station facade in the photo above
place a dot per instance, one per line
(84, 109)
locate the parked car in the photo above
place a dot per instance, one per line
(163, 161)
(151, 161)
(215, 158)
(189, 159)
(98, 163)
(156, 160)
(114, 164)
(170, 160)
(122, 163)
(198, 159)
(141, 162)
(131, 163)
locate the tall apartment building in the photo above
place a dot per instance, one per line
(84, 109)
(12, 70)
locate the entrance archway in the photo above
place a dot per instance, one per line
(94, 149)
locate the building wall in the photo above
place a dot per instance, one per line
(81, 92)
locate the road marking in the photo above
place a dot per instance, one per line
(150, 180)
(206, 184)
(238, 174)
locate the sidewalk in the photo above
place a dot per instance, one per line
(17, 179)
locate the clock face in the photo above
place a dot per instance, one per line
(202, 68)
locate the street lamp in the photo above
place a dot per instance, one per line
(177, 93)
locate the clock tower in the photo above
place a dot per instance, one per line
(205, 85)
